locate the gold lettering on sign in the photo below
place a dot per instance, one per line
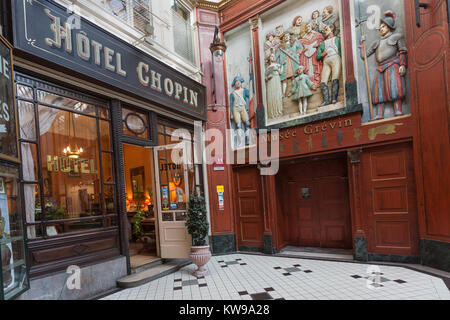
(85, 166)
(386, 129)
(68, 165)
(59, 33)
(326, 126)
(52, 163)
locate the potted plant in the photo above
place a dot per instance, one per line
(197, 226)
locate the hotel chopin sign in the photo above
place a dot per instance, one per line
(8, 134)
(46, 30)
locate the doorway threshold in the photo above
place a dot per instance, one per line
(324, 253)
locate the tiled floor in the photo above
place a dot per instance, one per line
(257, 277)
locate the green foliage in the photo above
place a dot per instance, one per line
(197, 223)
(137, 229)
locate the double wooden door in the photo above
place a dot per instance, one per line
(315, 202)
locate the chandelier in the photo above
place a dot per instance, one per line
(72, 153)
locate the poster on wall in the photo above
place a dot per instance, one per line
(302, 65)
(241, 87)
(381, 58)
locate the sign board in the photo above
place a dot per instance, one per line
(8, 132)
(220, 197)
(46, 30)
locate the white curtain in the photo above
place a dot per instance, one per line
(28, 131)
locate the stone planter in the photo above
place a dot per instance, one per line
(200, 257)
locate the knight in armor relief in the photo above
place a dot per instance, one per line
(390, 53)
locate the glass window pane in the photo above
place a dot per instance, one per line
(161, 139)
(167, 216)
(16, 275)
(62, 228)
(34, 232)
(117, 7)
(180, 216)
(24, 91)
(105, 135)
(27, 122)
(11, 228)
(112, 221)
(32, 201)
(63, 102)
(173, 188)
(103, 113)
(109, 199)
(107, 166)
(182, 31)
(29, 162)
(70, 159)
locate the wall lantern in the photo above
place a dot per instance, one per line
(218, 49)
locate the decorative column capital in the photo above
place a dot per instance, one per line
(254, 22)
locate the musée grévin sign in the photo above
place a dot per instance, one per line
(46, 30)
(8, 134)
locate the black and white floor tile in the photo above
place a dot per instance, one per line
(258, 277)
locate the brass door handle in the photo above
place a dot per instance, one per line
(419, 5)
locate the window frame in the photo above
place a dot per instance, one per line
(37, 84)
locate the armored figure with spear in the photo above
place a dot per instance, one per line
(390, 53)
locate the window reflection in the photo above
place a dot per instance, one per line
(68, 190)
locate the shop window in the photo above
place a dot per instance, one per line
(68, 169)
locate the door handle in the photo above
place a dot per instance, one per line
(419, 5)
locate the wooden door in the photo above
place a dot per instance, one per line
(334, 210)
(173, 197)
(249, 207)
(389, 200)
(429, 62)
(315, 198)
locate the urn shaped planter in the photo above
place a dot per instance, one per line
(200, 256)
(197, 226)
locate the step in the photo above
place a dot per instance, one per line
(156, 272)
(147, 266)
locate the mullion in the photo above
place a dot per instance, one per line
(103, 202)
(39, 163)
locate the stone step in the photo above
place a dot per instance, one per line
(155, 272)
(147, 266)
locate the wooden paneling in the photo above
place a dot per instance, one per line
(242, 10)
(429, 64)
(249, 207)
(57, 254)
(389, 200)
(323, 220)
